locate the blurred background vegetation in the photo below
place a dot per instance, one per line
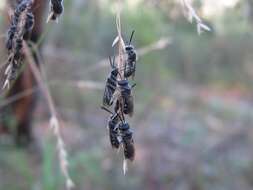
(193, 100)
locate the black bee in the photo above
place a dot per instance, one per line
(29, 23)
(111, 84)
(10, 37)
(56, 9)
(21, 7)
(127, 141)
(113, 128)
(130, 63)
(18, 45)
(125, 99)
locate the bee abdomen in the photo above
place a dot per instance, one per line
(129, 150)
(128, 106)
(127, 141)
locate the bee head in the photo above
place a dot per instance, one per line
(114, 71)
(129, 48)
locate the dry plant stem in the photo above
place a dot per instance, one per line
(121, 44)
(192, 15)
(87, 85)
(54, 122)
(120, 63)
(158, 45)
(121, 47)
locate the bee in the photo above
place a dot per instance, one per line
(56, 9)
(130, 63)
(113, 128)
(29, 22)
(125, 98)
(21, 7)
(111, 84)
(10, 37)
(127, 141)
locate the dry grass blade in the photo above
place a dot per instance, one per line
(121, 44)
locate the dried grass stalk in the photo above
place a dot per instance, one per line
(54, 121)
(191, 15)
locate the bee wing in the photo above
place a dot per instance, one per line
(133, 75)
(107, 97)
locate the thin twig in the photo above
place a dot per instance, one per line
(158, 45)
(88, 85)
(121, 44)
(191, 14)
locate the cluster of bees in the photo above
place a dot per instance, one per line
(56, 9)
(118, 93)
(22, 22)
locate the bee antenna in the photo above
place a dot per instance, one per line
(110, 59)
(107, 110)
(131, 37)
